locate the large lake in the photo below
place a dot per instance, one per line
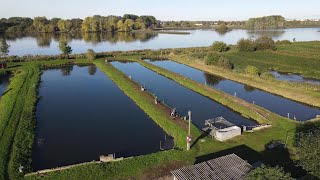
(47, 44)
(82, 114)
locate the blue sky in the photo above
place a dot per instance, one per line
(163, 9)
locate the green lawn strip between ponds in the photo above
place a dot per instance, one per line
(14, 110)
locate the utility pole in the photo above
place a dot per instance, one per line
(189, 138)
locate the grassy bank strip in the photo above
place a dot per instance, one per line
(145, 102)
(24, 138)
(143, 167)
(236, 104)
(275, 87)
(11, 108)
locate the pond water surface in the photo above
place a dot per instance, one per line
(292, 77)
(274, 103)
(47, 44)
(4, 83)
(179, 97)
(82, 114)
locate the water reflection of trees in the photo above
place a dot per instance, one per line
(212, 80)
(92, 69)
(249, 88)
(117, 37)
(43, 39)
(66, 70)
(270, 33)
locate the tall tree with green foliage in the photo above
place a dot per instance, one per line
(4, 47)
(120, 25)
(270, 173)
(266, 22)
(308, 147)
(64, 25)
(65, 48)
(41, 24)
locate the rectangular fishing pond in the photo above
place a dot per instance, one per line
(180, 97)
(274, 103)
(82, 114)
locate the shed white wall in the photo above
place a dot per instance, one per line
(227, 133)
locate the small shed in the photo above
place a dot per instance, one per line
(226, 167)
(3, 65)
(221, 129)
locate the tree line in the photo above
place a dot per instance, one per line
(96, 23)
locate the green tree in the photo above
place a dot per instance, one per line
(85, 27)
(65, 48)
(307, 144)
(4, 47)
(91, 55)
(222, 28)
(266, 22)
(252, 70)
(139, 24)
(128, 25)
(40, 23)
(270, 173)
(64, 25)
(246, 45)
(120, 25)
(130, 16)
(264, 43)
(220, 46)
(212, 59)
(112, 23)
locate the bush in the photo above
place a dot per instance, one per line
(220, 46)
(264, 43)
(307, 143)
(225, 63)
(252, 70)
(283, 42)
(222, 28)
(246, 45)
(267, 75)
(212, 59)
(91, 55)
(267, 172)
(217, 60)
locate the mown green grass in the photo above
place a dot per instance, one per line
(17, 123)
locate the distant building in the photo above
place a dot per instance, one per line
(199, 24)
(3, 65)
(226, 167)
